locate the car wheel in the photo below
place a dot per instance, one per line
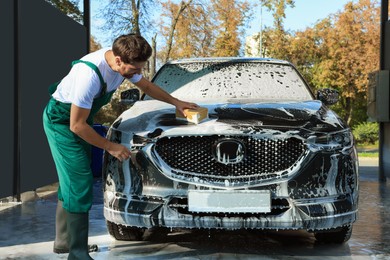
(121, 232)
(334, 235)
(156, 234)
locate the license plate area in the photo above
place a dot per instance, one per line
(229, 201)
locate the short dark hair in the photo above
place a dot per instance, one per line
(132, 48)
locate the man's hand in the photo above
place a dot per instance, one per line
(118, 151)
(79, 126)
(181, 105)
(158, 93)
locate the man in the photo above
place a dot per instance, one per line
(67, 121)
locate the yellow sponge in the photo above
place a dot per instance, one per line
(193, 115)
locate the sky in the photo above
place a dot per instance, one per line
(305, 14)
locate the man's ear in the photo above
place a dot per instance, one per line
(118, 60)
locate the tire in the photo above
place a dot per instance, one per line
(334, 235)
(156, 234)
(125, 233)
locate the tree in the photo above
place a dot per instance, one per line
(351, 45)
(307, 48)
(203, 29)
(68, 7)
(230, 15)
(94, 45)
(193, 33)
(276, 39)
(338, 52)
(175, 12)
(127, 16)
(278, 9)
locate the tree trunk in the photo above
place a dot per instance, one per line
(135, 19)
(154, 57)
(348, 109)
(183, 6)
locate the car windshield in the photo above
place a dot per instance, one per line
(232, 80)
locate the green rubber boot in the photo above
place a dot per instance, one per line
(78, 236)
(61, 240)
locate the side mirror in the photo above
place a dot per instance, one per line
(328, 96)
(130, 96)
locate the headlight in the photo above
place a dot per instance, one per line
(331, 141)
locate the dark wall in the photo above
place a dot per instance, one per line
(7, 102)
(46, 42)
(49, 41)
(387, 46)
(386, 140)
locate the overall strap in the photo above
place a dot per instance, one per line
(96, 69)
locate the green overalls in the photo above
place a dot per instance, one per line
(71, 154)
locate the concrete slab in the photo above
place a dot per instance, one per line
(27, 232)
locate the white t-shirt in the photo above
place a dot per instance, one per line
(82, 84)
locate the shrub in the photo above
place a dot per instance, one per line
(366, 133)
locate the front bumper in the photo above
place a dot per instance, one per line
(322, 195)
(148, 214)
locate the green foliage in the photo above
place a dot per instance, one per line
(68, 7)
(338, 52)
(369, 154)
(366, 133)
(108, 113)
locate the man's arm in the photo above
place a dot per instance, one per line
(79, 126)
(158, 93)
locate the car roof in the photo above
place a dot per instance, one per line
(229, 59)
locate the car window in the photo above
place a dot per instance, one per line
(228, 80)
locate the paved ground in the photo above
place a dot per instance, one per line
(27, 232)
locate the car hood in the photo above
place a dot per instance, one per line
(147, 116)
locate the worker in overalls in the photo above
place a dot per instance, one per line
(68, 120)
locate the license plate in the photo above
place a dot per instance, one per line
(229, 201)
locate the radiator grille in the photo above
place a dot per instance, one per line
(193, 156)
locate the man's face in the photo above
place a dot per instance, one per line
(128, 70)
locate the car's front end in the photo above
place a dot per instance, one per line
(252, 165)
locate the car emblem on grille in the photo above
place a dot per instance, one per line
(229, 151)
